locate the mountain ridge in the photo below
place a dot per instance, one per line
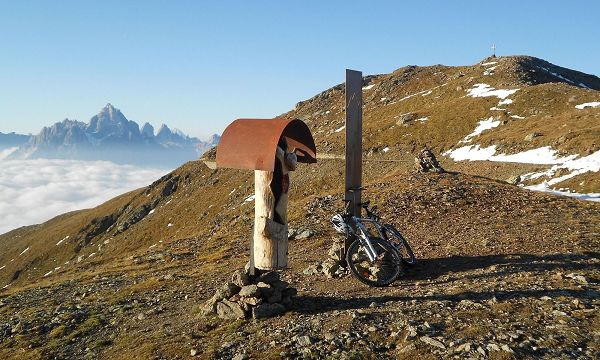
(109, 135)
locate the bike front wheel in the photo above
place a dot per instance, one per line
(401, 245)
(383, 271)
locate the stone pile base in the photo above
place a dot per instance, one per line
(261, 296)
(333, 267)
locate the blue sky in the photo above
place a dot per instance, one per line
(198, 65)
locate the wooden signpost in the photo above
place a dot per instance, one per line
(353, 139)
(353, 146)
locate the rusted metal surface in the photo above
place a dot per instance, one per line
(251, 143)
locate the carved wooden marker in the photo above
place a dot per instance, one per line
(271, 147)
(270, 243)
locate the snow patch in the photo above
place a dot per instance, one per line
(517, 117)
(423, 93)
(3, 266)
(489, 63)
(590, 163)
(151, 212)
(340, 129)
(385, 149)
(485, 124)
(505, 102)
(61, 241)
(543, 187)
(368, 87)
(489, 71)
(250, 198)
(423, 119)
(24, 251)
(471, 152)
(592, 104)
(544, 155)
(169, 225)
(484, 90)
(48, 273)
(562, 77)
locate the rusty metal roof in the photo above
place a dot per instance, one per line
(251, 143)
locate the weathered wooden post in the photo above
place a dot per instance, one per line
(353, 143)
(270, 240)
(353, 138)
(271, 147)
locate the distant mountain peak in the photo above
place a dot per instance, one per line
(164, 133)
(112, 113)
(147, 130)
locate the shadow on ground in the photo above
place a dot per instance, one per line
(506, 264)
(430, 269)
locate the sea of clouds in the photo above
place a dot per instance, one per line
(33, 191)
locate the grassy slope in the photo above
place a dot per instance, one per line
(446, 216)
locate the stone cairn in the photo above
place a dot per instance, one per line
(426, 162)
(260, 296)
(332, 267)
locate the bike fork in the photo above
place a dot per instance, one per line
(371, 253)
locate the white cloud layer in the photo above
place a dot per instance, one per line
(33, 191)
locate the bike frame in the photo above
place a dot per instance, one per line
(363, 234)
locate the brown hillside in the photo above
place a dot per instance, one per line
(504, 272)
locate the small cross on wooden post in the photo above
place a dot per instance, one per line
(493, 50)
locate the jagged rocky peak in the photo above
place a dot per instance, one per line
(111, 122)
(179, 132)
(164, 133)
(64, 132)
(108, 119)
(147, 130)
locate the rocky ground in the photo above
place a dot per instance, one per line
(503, 273)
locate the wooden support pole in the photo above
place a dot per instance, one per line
(353, 144)
(353, 138)
(270, 238)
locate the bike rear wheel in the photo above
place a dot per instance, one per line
(401, 245)
(383, 271)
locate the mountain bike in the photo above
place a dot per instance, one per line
(390, 246)
(391, 234)
(373, 261)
